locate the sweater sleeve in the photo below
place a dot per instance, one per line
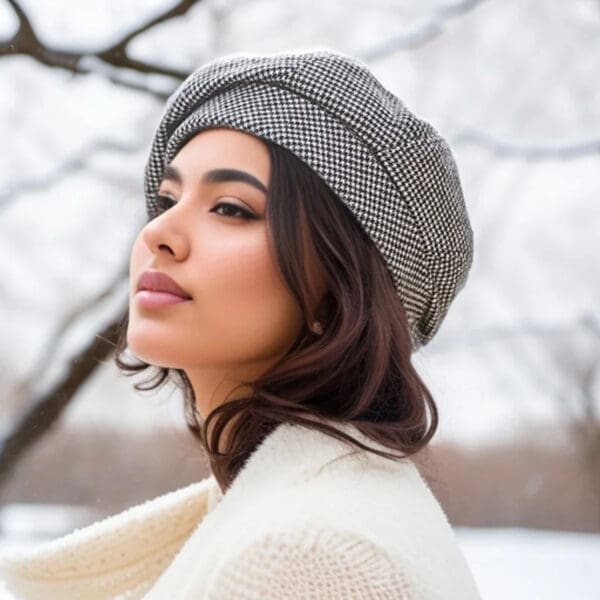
(309, 563)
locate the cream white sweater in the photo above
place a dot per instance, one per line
(306, 517)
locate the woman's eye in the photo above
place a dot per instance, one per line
(164, 202)
(228, 209)
(232, 209)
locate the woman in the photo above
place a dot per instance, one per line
(306, 234)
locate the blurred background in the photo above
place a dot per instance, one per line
(513, 85)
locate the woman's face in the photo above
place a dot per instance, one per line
(241, 317)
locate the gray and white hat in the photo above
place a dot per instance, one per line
(392, 169)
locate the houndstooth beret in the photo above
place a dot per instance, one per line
(392, 169)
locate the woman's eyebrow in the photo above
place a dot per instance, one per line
(171, 173)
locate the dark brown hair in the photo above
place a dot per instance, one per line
(358, 371)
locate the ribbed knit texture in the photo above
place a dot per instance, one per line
(118, 557)
(310, 563)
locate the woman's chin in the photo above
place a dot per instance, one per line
(146, 351)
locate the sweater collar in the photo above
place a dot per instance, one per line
(293, 451)
(112, 554)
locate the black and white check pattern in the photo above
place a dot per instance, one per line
(393, 170)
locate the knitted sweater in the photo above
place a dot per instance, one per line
(306, 517)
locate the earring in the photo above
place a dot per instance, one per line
(317, 328)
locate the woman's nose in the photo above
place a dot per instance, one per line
(165, 234)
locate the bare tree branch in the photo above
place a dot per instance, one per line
(76, 162)
(588, 321)
(25, 41)
(426, 32)
(117, 53)
(47, 408)
(534, 152)
(46, 355)
(114, 64)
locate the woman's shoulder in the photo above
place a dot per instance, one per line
(355, 486)
(301, 474)
(351, 530)
(308, 560)
(359, 516)
(309, 516)
(375, 497)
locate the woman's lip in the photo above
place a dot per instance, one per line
(152, 299)
(156, 281)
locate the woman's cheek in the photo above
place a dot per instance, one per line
(250, 300)
(239, 263)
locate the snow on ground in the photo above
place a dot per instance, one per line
(528, 564)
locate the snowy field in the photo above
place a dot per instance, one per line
(527, 564)
(511, 564)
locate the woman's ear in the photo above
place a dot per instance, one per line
(323, 313)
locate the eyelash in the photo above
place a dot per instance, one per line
(245, 214)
